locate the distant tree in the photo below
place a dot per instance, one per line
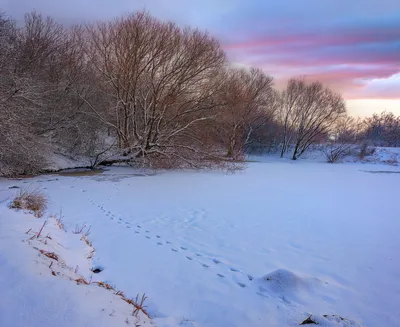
(383, 129)
(308, 111)
(345, 133)
(245, 98)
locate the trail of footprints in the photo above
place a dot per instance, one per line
(196, 257)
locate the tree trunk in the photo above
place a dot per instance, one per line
(296, 150)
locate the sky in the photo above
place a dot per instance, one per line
(352, 46)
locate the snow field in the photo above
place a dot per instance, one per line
(268, 246)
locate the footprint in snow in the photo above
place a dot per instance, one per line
(189, 258)
(139, 226)
(220, 275)
(137, 232)
(183, 248)
(234, 269)
(250, 277)
(148, 237)
(128, 226)
(241, 285)
(216, 261)
(205, 266)
(168, 242)
(159, 243)
(174, 250)
(158, 236)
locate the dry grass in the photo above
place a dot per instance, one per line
(32, 200)
(50, 255)
(81, 281)
(138, 303)
(59, 220)
(139, 306)
(87, 241)
(85, 230)
(105, 285)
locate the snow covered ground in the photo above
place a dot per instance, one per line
(38, 277)
(267, 246)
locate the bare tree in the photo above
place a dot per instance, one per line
(383, 129)
(308, 111)
(246, 96)
(20, 151)
(158, 81)
(345, 133)
(38, 111)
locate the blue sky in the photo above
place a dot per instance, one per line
(353, 46)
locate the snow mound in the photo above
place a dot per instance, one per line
(334, 321)
(290, 287)
(282, 281)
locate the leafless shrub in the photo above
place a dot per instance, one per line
(59, 220)
(32, 200)
(139, 305)
(366, 150)
(345, 133)
(84, 229)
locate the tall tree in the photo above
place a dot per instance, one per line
(246, 97)
(159, 83)
(308, 111)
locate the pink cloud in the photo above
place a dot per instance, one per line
(346, 61)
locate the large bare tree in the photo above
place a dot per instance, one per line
(308, 111)
(158, 81)
(247, 99)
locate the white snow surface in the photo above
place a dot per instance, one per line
(267, 246)
(32, 296)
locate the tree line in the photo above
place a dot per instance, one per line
(151, 93)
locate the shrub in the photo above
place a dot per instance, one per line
(366, 150)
